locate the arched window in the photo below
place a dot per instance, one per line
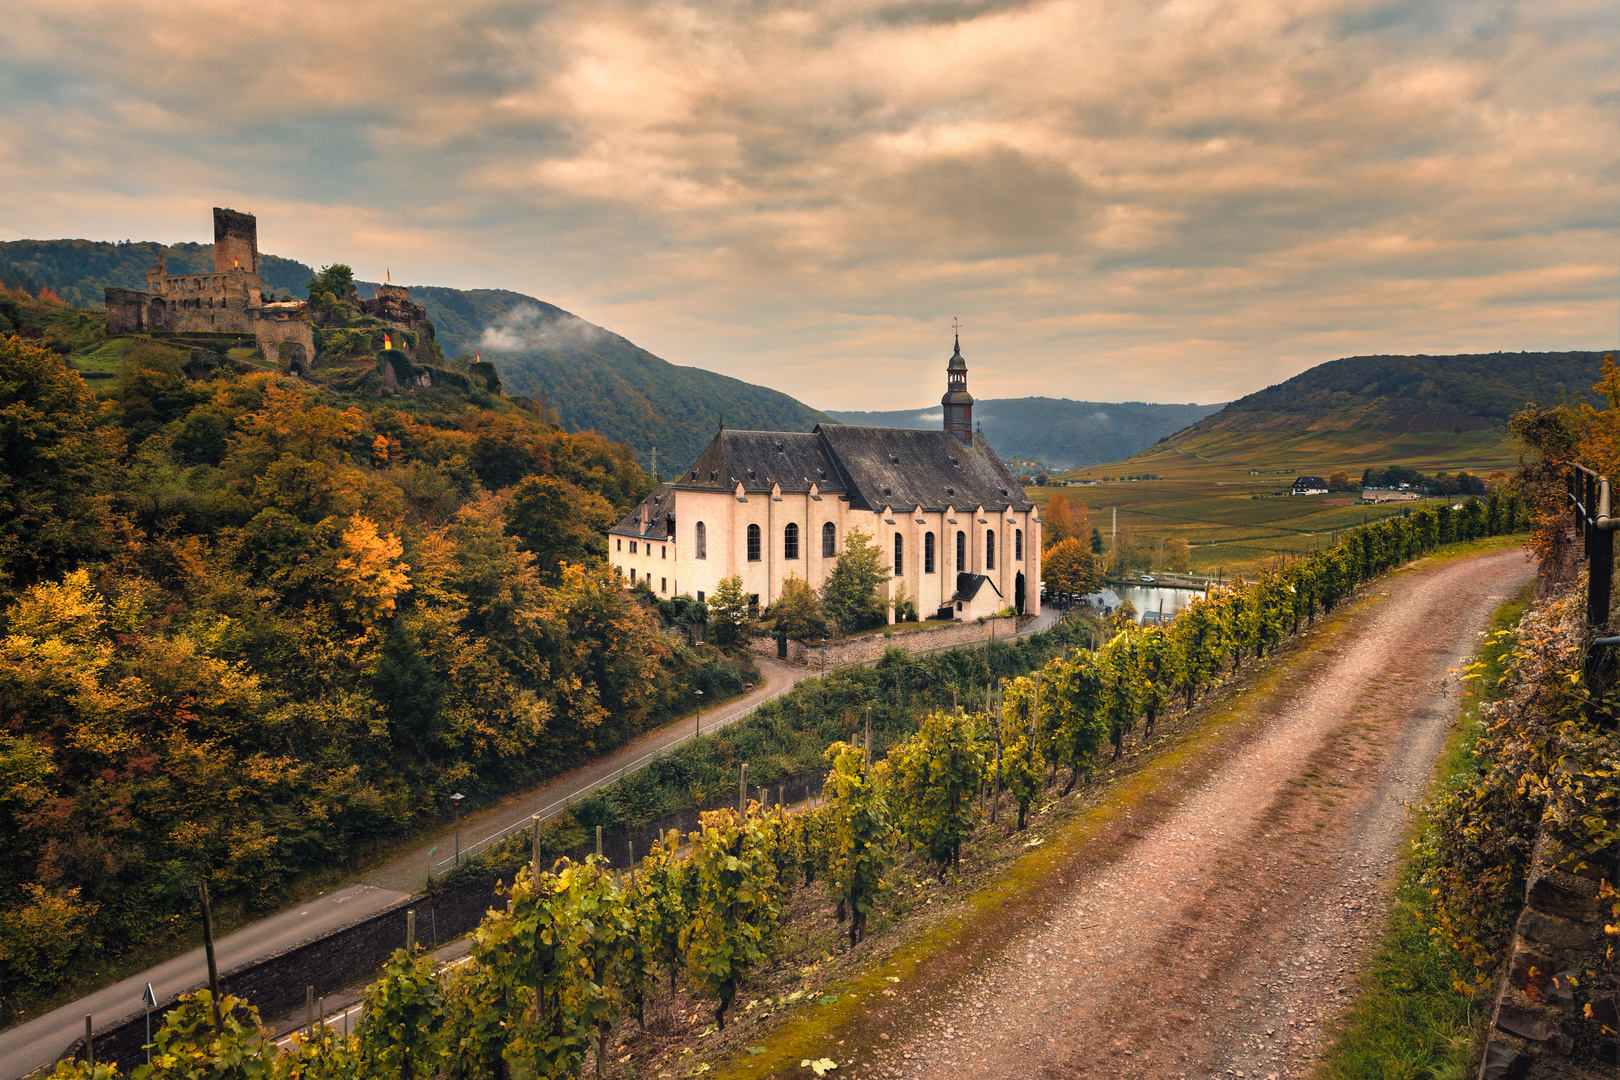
(829, 541)
(961, 551)
(700, 537)
(989, 549)
(1018, 545)
(790, 541)
(928, 553)
(899, 554)
(753, 543)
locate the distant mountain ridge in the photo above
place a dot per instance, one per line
(1057, 432)
(593, 378)
(1462, 392)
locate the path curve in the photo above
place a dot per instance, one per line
(1229, 923)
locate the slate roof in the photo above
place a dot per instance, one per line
(968, 586)
(872, 467)
(660, 506)
(1310, 483)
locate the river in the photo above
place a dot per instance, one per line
(1145, 598)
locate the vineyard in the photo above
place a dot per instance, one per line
(582, 947)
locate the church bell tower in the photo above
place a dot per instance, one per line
(957, 401)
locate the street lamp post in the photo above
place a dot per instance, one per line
(455, 801)
(823, 658)
(699, 730)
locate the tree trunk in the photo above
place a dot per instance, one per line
(1073, 776)
(1023, 808)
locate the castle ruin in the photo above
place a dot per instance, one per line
(231, 300)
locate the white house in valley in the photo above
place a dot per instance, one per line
(952, 521)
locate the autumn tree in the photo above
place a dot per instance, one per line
(558, 521)
(1339, 480)
(932, 778)
(1057, 521)
(1069, 567)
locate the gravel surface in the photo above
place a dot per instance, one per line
(1223, 925)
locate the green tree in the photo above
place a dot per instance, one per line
(850, 595)
(729, 615)
(328, 286)
(862, 837)
(402, 1012)
(1096, 542)
(797, 612)
(1072, 721)
(558, 521)
(54, 508)
(932, 778)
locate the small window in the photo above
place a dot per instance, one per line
(989, 549)
(961, 551)
(959, 605)
(701, 537)
(663, 551)
(700, 596)
(790, 541)
(663, 584)
(829, 541)
(632, 575)
(618, 544)
(632, 547)
(928, 553)
(753, 543)
(1018, 545)
(899, 555)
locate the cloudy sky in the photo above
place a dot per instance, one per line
(1178, 201)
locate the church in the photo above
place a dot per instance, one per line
(959, 536)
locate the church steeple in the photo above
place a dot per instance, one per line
(957, 401)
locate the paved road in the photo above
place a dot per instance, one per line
(28, 1046)
(38, 1042)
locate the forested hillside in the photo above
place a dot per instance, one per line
(1466, 392)
(249, 625)
(1056, 432)
(595, 379)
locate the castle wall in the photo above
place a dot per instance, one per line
(286, 337)
(126, 310)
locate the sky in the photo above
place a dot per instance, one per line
(1118, 200)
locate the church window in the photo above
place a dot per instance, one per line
(701, 536)
(989, 549)
(1018, 545)
(829, 541)
(961, 552)
(753, 543)
(899, 554)
(790, 541)
(928, 553)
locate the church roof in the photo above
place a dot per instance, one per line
(908, 467)
(873, 467)
(649, 519)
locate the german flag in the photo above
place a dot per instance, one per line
(388, 342)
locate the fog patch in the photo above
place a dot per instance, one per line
(525, 328)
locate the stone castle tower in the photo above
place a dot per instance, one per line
(236, 241)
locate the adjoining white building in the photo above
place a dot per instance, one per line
(953, 523)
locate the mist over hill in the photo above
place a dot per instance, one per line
(1057, 432)
(594, 378)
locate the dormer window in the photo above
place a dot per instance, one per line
(751, 474)
(886, 491)
(950, 491)
(711, 476)
(894, 458)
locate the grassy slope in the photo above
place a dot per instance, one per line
(1407, 1021)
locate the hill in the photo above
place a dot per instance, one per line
(595, 379)
(1055, 432)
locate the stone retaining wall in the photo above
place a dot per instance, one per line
(1560, 992)
(866, 649)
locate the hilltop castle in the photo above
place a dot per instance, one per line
(232, 300)
(957, 531)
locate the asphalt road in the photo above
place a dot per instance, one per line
(39, 1042)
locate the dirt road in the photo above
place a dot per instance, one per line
(1215, 931)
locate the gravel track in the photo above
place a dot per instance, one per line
(1221, 927)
